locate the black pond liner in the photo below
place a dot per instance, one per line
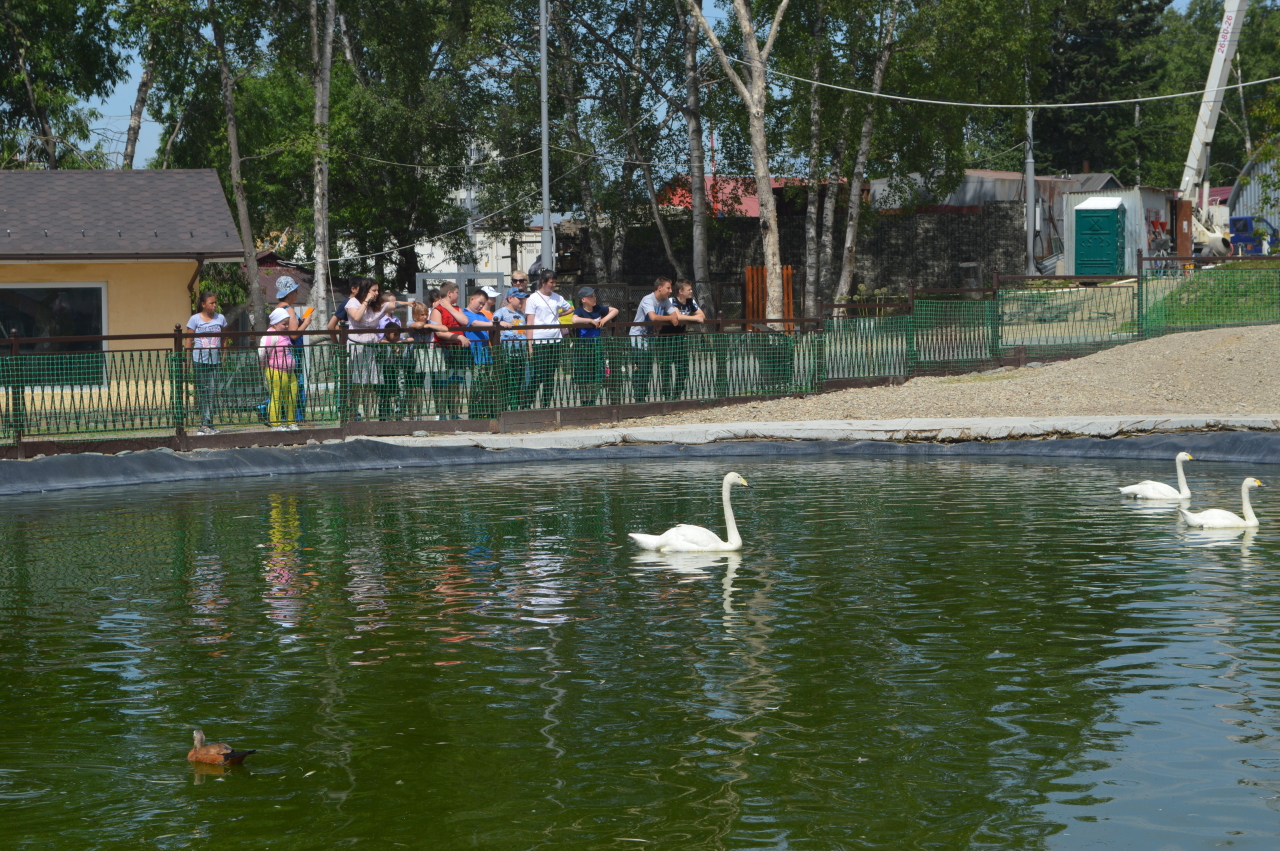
(64, 472)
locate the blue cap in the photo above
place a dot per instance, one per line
(517, 293)
(285, 285)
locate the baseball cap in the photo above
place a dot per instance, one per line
(278, 315)
(285, 285)
(490, 292)
(517, 293)
(586, 292)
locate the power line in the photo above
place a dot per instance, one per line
(905, 99)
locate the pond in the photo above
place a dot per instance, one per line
(907, 654)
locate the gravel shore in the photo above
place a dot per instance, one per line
(1234, 371)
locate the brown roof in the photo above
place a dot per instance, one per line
(149, 214)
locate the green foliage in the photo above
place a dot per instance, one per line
(54, 54)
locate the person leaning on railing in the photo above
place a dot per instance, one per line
(674, 349)
(483, 403)
(588, 356)
(655, 307)
(545, 307)
(514, 361)
(206, 357)
(428, 363)
(454, 345)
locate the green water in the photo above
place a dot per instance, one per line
(907, 654)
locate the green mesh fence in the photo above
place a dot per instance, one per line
(1192, 300)
(153, 392)
(955, 334)
(868, 347)
(1050, 322)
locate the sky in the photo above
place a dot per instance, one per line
(115, 120)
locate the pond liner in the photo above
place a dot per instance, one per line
(88, 470)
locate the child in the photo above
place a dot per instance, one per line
(275, 352)
(391, 391)
(206, 357)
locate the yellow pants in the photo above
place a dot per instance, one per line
(284, 396)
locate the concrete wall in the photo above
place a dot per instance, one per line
(141, 297)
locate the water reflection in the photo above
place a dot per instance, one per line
(907, 654)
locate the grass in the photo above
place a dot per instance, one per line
(1244, 293)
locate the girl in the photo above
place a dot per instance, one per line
(427, 360)
(275, 352)
(364, 314)
(206, 357)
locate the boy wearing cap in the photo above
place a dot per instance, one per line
(514, 362)
(491, 302)
(588, 355)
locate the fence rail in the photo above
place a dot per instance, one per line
(335, 381)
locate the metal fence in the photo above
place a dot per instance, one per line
(331, 381)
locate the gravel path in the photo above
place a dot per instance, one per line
(1233, 371)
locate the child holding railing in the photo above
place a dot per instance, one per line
(275, 353)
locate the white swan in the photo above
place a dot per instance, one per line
(1216, 518)
(1159, 490)
(691, 539)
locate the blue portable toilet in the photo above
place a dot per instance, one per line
(1100, 244)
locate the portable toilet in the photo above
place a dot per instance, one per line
(1100, 236)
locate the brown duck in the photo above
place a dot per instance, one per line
(215, 753)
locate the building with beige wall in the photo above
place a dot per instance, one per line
(85, 253)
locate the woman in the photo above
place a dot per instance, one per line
(427, 360)
(453, 344)
(364, 313)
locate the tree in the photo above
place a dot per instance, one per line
(752, 86)
(55, 54)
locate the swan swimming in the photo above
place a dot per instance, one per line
(691, 539)
(1216, 518)
(1159, 490)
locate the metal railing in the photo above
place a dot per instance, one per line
(335, 382)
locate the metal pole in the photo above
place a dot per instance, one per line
(1030, 192)
(548, 255)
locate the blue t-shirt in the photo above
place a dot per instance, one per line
(597, 312)
(479, 339)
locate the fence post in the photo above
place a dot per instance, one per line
(1140, 309)
(913, 354)
(346, 408)
(993, 318)
(177, 390)
(17, 392)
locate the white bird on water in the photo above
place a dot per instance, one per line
(1159, 490)
(690, 539)
(1216, 518)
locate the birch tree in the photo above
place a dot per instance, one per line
(322, 36)
(750, 80)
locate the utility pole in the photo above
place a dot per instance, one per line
(1029, 189)
(548, 259)
(1029, 163)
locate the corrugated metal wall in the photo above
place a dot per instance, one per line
(1249, 193)
(1137, 200)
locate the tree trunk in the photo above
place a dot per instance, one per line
(697, 158)
(676, 265)
(826, 253)
(322, 57)
(752, 86)
(139, 107)
(815, 153)
(860, 164)
(256, 301)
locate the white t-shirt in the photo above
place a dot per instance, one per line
(207, 349)
(546, 311)
(649, 304)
